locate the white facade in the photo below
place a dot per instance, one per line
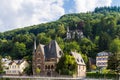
(5, 63)
(81, 66)
(16, 67)
(102, 59)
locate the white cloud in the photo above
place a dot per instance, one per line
(20, 13)
(90, 5)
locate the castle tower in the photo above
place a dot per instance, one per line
(68, 34)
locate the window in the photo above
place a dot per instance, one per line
(81, 60)
(60, 53)
(45, 66)
(77, 60)
(38, 66)
(52, 67)
(39, 60)
(38, 54)
(48, 66)
(99, 63)
(14, 71)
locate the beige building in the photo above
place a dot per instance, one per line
(16, 67)
(81, 66)
(5, 63)
(102, 59)
(45, 58)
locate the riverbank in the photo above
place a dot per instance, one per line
(38, 78)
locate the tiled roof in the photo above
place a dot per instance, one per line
(41, 46)
(18, 62)
(78, 58)
(103, 53)
(6, 61)
(52, 50)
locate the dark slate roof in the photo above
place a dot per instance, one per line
(103, 53)
(41, 48)
(18, 62)
(52, 50)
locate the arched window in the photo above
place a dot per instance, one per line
(46, 67)
(77, 59)
(38, 54)
(81, 60)
(52, 67)
(38, 59)
(38, 66)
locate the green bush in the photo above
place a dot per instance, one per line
(99, 75)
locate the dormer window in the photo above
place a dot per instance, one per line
(81, 60)
(60, 53)
(77, 59)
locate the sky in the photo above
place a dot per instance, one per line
(21, 13)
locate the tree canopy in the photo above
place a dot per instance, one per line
(101, 30)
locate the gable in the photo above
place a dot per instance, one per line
(52, 50)
(40, 50)
(78, 58)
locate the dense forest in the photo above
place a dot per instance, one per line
(101, 30)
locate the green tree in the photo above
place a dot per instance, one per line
(38, 70)
(115, 46)
(51, 33)
(88, 29)
(19, 50)
(104, 41)
(1, 67)
(85, 58)
(87, 46)
(60, 30)
(71, 46)
(28, 70)
(113, 61)
(60, 42)
(117, 31)
(5, 47)
(43, 38)
(67, 65)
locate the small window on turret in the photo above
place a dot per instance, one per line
(38, 54)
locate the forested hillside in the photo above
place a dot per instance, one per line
(101, 30)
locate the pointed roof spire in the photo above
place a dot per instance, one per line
(35, 44)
